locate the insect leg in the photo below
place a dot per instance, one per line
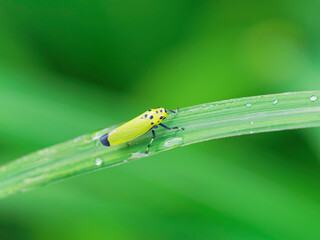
(169, 128)
(153, 137)
(173, 111)
(154, 127)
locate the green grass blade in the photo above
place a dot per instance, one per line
(203, 122)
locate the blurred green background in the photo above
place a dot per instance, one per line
(72, 67)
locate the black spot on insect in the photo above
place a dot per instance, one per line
(146, 115)
(161, 110)
(157, 112)
(149, 110)
(152, 123)
(161, 117)
(151, 117)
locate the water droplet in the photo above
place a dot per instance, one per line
(251, 132)
(251, 122)
(173, 142)
(137, 155)
(98, 162)
(125, 160)
(313, 98)
(275, 101)
(248, 105)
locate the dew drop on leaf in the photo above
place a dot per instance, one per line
(98, 162)
(313, 98)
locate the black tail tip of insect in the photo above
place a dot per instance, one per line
(104, 140)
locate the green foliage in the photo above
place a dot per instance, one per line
(72, 67)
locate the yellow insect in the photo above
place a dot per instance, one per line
(147, 121)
